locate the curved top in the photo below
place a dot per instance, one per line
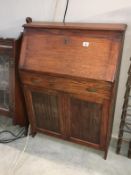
(81, 26)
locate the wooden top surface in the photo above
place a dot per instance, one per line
(82, 26)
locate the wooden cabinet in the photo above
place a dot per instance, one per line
(69, 74)
(6, 75)
(11, 97)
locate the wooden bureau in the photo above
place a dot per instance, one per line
(69, 74)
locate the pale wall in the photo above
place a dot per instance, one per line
(13, 13)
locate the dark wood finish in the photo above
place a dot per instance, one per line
(28, 20)
(80, 128)
(20, 114)
(11, 48)
(46, 109)
(70, 74)
(79, 26)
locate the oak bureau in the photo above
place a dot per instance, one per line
(69, 73)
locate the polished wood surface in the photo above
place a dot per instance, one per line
(66, 48)
(20, 114)
(81, 26)
(69, 74)
(88, 87)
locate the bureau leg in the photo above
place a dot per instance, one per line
(105, 154)
(26, 130)
(33, 134)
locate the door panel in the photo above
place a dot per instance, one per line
(85, 120)
(46, 111)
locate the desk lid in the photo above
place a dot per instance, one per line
(93, 53)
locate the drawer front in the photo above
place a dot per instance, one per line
(82, 88)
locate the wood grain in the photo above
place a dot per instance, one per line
(81, 26)
(88, 62)
(86, 87)
(73, 70)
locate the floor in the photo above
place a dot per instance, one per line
(44, 155)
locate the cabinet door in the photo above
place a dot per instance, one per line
(4, 82)
(6, 77)
(43, 110)
(88, 121)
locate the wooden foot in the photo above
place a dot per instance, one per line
(26, 130)
(33, 134)
(105, 154)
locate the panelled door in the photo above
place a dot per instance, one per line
(44, 110)
(68, 116)
(87, 121)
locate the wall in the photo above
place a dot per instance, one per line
(13, 13)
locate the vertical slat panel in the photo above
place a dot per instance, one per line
(46, 111)
(85, 120)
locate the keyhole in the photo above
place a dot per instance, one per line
(66, 41)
